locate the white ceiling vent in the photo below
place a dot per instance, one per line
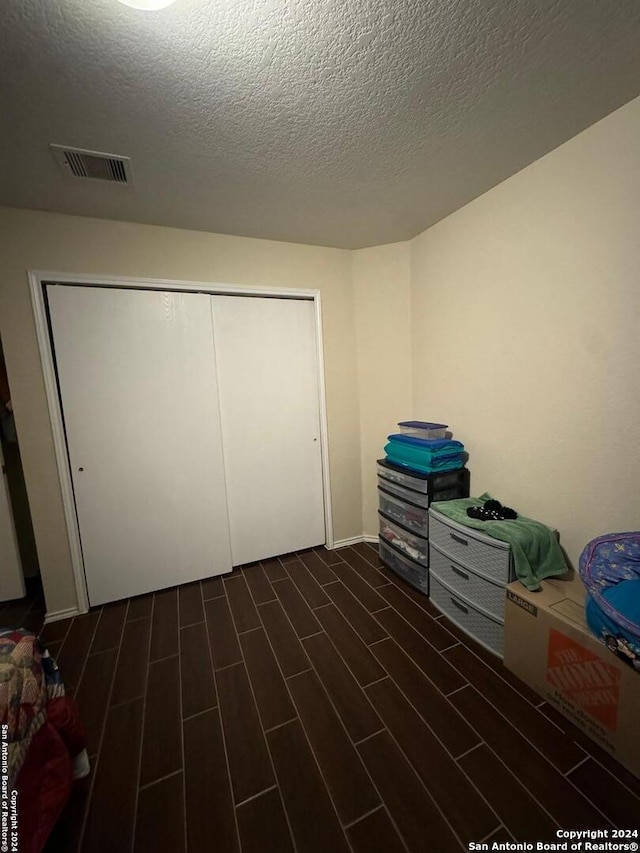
(78, 163)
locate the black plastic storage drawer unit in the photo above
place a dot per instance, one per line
(404, 497)
(437, 487)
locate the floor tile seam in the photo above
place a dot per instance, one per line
(509, 722)
(349, 824)
(336, 553)
(193, 624)
(635, 794)
(162, 659)
(411, 658)
(307, 602)
(367, 560)
(495, 829)
(223, 736)
(444, 696)
(86, 657)
(103, 651)
(372, 565)
(256, 708)
(599, 809)
(436, 805)
(233, 617)
(370, 613)
(144, 717)
(359, 686)
(160, 779)
(284, 610)
(366, 582)
(318, 766)
(554, 770)
(213, 598)
(198, 713)
(310, 571)
(264, 735)
(253, 598)
(255, 796)
(302, 726)
(296, 674)
(249, 630)
(530, 705)
(101, 737)
(271, 646)
(419, 633)
(449, 754)
(138, 618)
(575, 767)
(281, 725)
(181, 711)
(527, 789)
(357, 743)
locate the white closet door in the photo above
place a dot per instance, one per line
(269, 404)
(11, 577)
(139, 396)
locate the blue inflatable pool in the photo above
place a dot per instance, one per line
(610, 570)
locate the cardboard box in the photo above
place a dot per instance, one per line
(549, 646)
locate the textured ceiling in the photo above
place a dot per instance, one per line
(336, 122)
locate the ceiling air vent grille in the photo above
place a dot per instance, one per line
(78, 163)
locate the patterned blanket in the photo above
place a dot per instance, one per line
(28, 679)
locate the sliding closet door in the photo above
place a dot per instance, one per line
(138, 388)
(268, 386)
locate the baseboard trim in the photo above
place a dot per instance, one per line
(353, 540)
(59, 615)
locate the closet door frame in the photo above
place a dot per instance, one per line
(37, 285)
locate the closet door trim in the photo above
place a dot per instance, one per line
(37, 285)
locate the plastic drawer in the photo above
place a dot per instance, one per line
(415, 547)
(413, 573)
(486, 595)
(470, 548)
(418, 498)
(417, 484)
(427, 484)
(484, 629)
(414, 518)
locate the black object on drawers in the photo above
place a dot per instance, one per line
(469, 572)
(404, 497)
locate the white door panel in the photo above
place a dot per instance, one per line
(11, 577)
(266, 359)
(139, 396)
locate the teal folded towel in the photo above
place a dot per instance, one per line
(534, 546)
(437, 467)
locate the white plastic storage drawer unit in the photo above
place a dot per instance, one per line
(411, 571)
(485, 629)
(469, 573)
(487, 595)
(415, 547)
(482, 554)
(409, 515)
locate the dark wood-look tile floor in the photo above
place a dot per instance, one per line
(312, 703)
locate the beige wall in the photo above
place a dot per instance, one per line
(514, 319)
(383, 332)
(525, 315)
(42, 241)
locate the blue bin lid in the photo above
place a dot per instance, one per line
(421, 425)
